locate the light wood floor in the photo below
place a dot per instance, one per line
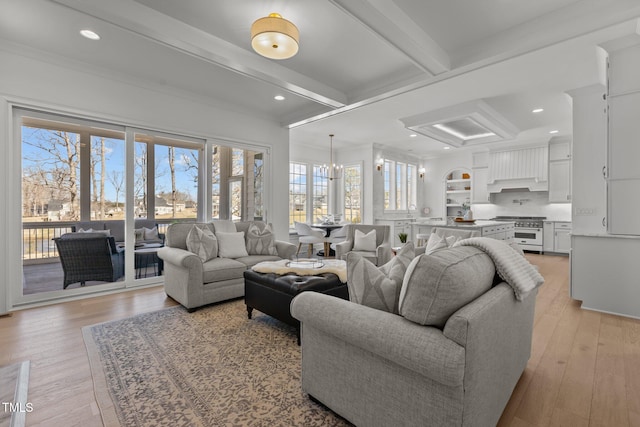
(584, 368)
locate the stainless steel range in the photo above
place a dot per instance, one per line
(528, 231)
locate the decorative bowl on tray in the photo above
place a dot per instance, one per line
(305, 263)
(461, 219)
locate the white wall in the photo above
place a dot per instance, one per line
(31, 82)
(362, 155)
(436, 171)
(377, 188)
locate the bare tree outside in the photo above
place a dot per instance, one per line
(56, 155)
(172, 171)
(116, 178)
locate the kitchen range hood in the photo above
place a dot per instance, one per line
(520, 168)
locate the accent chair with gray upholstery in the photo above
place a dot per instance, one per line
(378, 252)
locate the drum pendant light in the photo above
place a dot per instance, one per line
(274, 37)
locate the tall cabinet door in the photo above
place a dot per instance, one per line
(624, 169)
(479, 191)
(560, 181)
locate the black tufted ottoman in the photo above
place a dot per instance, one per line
(272, 293)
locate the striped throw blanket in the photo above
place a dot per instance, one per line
(511, 266)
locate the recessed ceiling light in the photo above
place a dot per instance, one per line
(279, 98)
(413, 135)
(538, 110)
(554, 131)
(91, 35)
(446, 148)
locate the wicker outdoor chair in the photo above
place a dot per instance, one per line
(89, 256)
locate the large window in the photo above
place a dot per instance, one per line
(297, 193)
(400, 182)
(353, 193)
(320, 194)
(388, 171)
(309, 194)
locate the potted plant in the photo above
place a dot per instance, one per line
(402, 237)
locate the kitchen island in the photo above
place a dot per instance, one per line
(500, 230)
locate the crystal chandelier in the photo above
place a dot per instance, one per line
(332, 171)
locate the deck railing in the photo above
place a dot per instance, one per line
(37, 238)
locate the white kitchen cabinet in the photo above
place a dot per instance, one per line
(562, 237)
(501, 231)
(623, 178)
(479, 191)
(559, 151)
(556, 237)
(560, 181)
(560, 171)
(589, 154)
(604, 273)
(548, 236)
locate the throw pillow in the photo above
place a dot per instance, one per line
(437, 285)
(91, 230)
(231, 245)
(378, 287)
(261, 242)
(202, 242)
(139, 234)
(451, 240)
(151, 234)
(435, 243)
(365, 242)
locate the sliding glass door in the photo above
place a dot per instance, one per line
(72, 182)
(94, 216)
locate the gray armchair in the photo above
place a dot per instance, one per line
(452, 357)
(382, 252)
(89, 256)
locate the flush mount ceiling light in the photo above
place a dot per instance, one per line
(91, 35)
(274, 37)
(554, 131)
(279, 98)
(537, 110)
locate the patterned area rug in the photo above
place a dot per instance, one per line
(213, 367)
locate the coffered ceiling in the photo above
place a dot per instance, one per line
(363, 65)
